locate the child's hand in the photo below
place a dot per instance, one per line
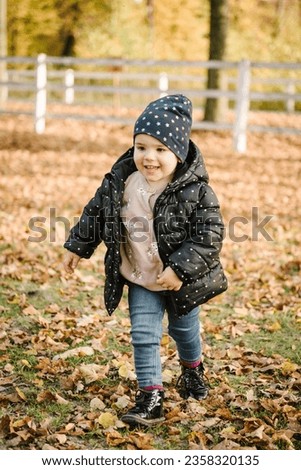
(70, 262)
(169, 280)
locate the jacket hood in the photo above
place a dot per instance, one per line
(193, 169)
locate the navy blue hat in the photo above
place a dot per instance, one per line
(169, 120)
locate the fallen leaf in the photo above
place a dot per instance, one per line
(107, 420)
(167, 376)
(20, 393)
(288, 367)
(91, 372)
(30, 310)
(275, 326)
(97, 404)
(125, 371)
(123, 402)
(61, 438)
(80, 351)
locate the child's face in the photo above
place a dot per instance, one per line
(153, 159)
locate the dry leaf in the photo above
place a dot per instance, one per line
(80, 351)
(125, 371)
(167, 376)
(275, 326)
(90, 372)
(107, 420)
(61, 438)
(123, 402)
(20, 393)
(288, 367)
(264, 289)
(30, 310)
(61, 400)
(97, 404)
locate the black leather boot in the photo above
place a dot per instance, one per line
(148, 409)
(191, 383)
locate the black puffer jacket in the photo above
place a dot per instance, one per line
(187, 223)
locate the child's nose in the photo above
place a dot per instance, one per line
(150, 154)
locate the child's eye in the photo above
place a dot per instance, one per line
(140, 147)
(160, 149)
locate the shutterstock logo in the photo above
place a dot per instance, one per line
(45, 228)
(257, 226)
(238, 229)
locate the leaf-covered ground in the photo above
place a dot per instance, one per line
(66, 371)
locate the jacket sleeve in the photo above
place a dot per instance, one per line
(85, 236)
(204, 236)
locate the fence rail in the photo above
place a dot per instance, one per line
(111, 89)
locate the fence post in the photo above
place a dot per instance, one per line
(69, 86)
(290, 102)
(242, 107)
(3, 85)
(41, 94)
(163, 84)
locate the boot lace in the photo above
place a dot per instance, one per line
(192, 380)
(145, 401)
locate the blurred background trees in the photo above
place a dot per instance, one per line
(258, 30)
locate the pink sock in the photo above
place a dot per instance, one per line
(191, 365)
(149, 388)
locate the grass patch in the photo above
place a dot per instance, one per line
(279, 334)
(37, 381)
(275, 333)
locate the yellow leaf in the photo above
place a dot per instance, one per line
(123, 371)
(165, 340)
(275, 326)
(288, 367)
(218, 336)
(107, 419)
(167, 376)
(19, 423)
(227, 431)
(20, 393)
(25, 363)
(31, 352)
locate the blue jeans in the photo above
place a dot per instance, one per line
(146, 313)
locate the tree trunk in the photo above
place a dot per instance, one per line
(218, 37)
(69, 12)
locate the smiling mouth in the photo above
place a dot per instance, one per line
(151, 167)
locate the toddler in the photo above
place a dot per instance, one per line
(161, 224)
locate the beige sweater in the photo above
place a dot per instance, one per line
(140, 260)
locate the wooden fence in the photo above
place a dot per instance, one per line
(117, 90)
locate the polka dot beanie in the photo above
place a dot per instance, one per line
(169, 120)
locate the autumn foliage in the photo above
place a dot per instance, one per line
(66, 371)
